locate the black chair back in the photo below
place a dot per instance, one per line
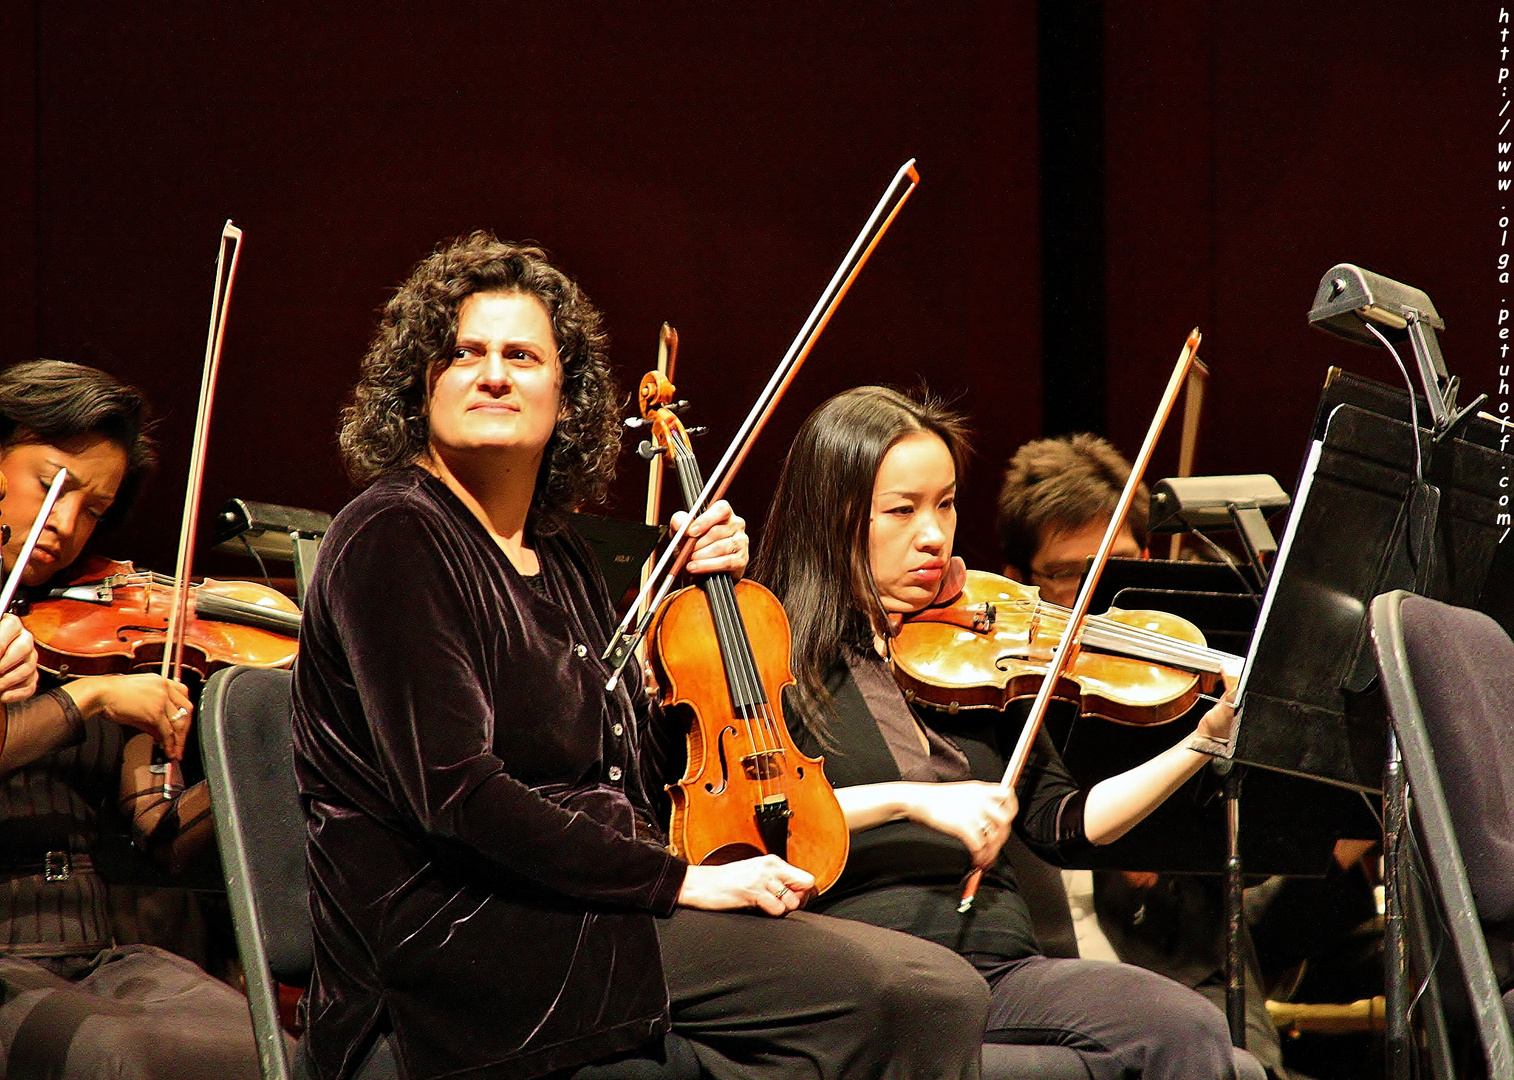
(1463, 668)
(244, 726)
(1448, 676)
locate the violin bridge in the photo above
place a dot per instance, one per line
(762, 766)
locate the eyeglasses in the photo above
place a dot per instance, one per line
(1062, 575)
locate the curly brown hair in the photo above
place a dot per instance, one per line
(1063, 483)
(385, 427)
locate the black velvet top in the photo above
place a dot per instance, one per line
(481, 883)
(908, 877)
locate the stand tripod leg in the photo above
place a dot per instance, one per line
(1235, 956)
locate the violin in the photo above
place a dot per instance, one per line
(993, 643)
(747, 789)
(106, 617)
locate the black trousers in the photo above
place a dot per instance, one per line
(1123, 1020)
(810, 996)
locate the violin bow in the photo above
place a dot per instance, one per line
(1065, 652)
(220, 302)
(632, 628)
(13, 582)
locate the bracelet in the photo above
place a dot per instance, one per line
(1209, 746)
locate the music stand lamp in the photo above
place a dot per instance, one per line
(1349, 300)
(1241, 503)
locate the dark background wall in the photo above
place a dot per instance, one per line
(708, 165)
(1249, 148)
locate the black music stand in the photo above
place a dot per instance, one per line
(1363, 524)
(1383, 503)
(1292, 822)
(1289, 833)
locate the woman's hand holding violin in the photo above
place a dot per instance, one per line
(766, 882)
(150, 703)
(720, 540)
(18, 661)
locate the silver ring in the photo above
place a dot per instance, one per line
(780, 892)
(985, 829)
(180, 714)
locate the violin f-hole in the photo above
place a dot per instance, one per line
(723, 757)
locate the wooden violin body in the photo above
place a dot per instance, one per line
(109, 618)
(747, 789)
(992, 645)
(720, 654)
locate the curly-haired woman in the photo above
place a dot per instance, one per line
(490, 893)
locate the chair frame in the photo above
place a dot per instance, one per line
(262, 991)
(1437, 838)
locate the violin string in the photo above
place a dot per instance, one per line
(720, 593)
(743, 668)
(1158, 647)
(753, 691)
(1154, 638)
(1151, 639)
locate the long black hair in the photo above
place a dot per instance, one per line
(814, 553)
(54, 401)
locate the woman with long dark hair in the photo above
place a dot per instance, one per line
(873, 474)
(490, 893)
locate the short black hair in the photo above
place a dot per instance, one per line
(54, 401)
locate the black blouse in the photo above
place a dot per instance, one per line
(482, 884)
(908, 877)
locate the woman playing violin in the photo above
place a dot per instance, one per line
(874, 474)
(489, 890)
(73, 757)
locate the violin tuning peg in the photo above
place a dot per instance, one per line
(678, 406)
(696, 430)
(634, 422)
(649, 451)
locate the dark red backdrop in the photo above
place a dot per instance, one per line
(708, 165)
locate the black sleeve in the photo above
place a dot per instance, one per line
(414, 654)
(1051, 806)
